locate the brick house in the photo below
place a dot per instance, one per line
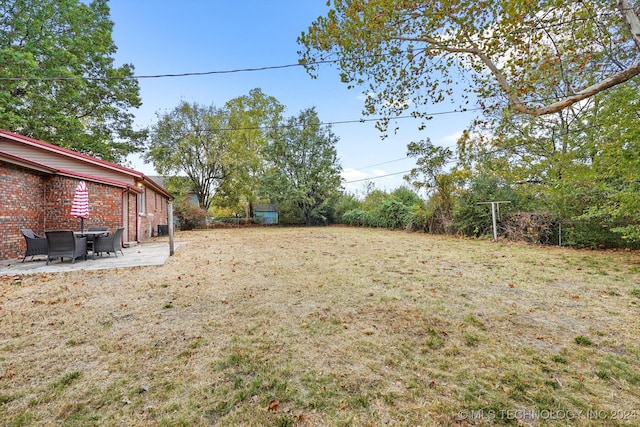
(38, 182)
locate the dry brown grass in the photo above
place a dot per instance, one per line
(327, 326)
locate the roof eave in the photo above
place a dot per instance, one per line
(69, 153)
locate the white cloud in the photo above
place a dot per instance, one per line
(452, 138)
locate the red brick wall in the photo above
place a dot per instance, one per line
(105, 204)
(155, 214)
(21, 200)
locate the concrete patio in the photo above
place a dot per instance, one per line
(144, 254)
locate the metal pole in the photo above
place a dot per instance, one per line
(493, 219)
(170, 220)
(560, 234)
(493, 215)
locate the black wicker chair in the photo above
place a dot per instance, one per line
(108, 244)
(36, 245)
(92, 237)
(63, 243)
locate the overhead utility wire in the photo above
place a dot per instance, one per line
(383, 163)
(344, 122)
(158, 76)
(375, 177)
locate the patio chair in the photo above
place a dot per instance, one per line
(36, 245)
(91, 237)
(63, 243)
(108, 244)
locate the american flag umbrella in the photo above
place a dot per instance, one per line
(80, 206)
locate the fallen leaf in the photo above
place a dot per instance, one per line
(273, 405)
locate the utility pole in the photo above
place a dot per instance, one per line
(170, 221)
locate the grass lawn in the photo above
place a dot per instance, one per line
(328, 327)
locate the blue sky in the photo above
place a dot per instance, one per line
(187, 36)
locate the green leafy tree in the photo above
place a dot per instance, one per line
(472, 219)
(431, 162)
(614, 162)
(430, 175)
(303, 172)
(180, 188)
(58, 82)
(250, 118)
(406, 196)
(192, 140)
(579, 164)
(218, 149)
(374, 199)
(409, 52)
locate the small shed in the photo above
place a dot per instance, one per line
(265, 213)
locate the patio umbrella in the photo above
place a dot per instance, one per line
(80, 206)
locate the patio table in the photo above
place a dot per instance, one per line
(91, 234)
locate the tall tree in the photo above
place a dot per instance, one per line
(58, 81)
(220, 150)
(192, 140)
(410, 52)
(251, 117)
(431, 161)
(302, 167)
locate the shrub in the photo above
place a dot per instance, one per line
(406, 196)
(472, 219)
(344, 204)
(532, 227)
(356, 217)
(418, 218)
(189, 215)
(393, 214)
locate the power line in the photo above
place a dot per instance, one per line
(383, 163)
(160, 76)
(343, 122)
(376, 177)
